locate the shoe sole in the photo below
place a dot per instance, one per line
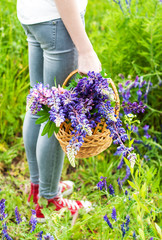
(70, 190)
(41, 220)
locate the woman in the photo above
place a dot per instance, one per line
(57, 44)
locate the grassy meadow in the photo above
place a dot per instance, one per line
(126, 35)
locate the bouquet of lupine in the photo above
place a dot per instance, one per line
(85, 102)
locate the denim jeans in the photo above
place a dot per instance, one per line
(52, 55)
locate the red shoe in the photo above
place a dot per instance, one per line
(34, 190)
(59, 202)
(66, 188)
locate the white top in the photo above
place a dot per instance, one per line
(35, 11)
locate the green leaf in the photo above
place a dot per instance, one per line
(141, 233)
(158, 229)
(46, 128)
(132, 185)
(143, 190)
(52, 129)
(42, 119)
(131, 142)
(127, 162)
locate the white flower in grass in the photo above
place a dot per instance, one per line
(132, 158)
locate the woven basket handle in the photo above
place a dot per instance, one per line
(117, 107)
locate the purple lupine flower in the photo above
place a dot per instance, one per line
(18, 216)
(108, 221)
(2, 209)
(145, 128)
(136, 82)
(147, 90)
(127, 82)
(4, 232)
(48, 236)
(40, 235)
(135, 129)
(126, 95)
(102, 184)
(33, 220)
(121, 163)
(139, 93)
(121, 75)
(151, 238)
(113, 214)
(127, 222)
(126, 192)
(134, 107)
(134, 235)
(119, 183)
(123, 229)
(127, 174)
(111, 190)
(146, 157)
(147, 135)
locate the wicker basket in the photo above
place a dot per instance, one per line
(100, 139)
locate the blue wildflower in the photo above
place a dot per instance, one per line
(147, 90)
(102, 184)
(123, 229)
(134, 235)
(4, 232)
(135, 129)
(48, 236)
(33, 220)
(127, 222)
(126, 192)
(145, 128)
(119, 183)
(111, 190)
(120, 164)
(127, 174)
(134, 107)
(121, 75)
(108, 221)
(146, 157)
(18, 216)
(40, 235)
(139, 93)
(113, 214)
(2, 209)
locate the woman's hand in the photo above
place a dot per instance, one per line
(88, 61)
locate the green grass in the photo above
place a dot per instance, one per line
(128, 43)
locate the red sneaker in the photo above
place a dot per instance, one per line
(59, 202)
(34, 190)
(66, 188)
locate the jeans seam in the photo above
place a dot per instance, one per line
(54, 168)
(54, 33)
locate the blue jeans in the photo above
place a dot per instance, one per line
(52, 55)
